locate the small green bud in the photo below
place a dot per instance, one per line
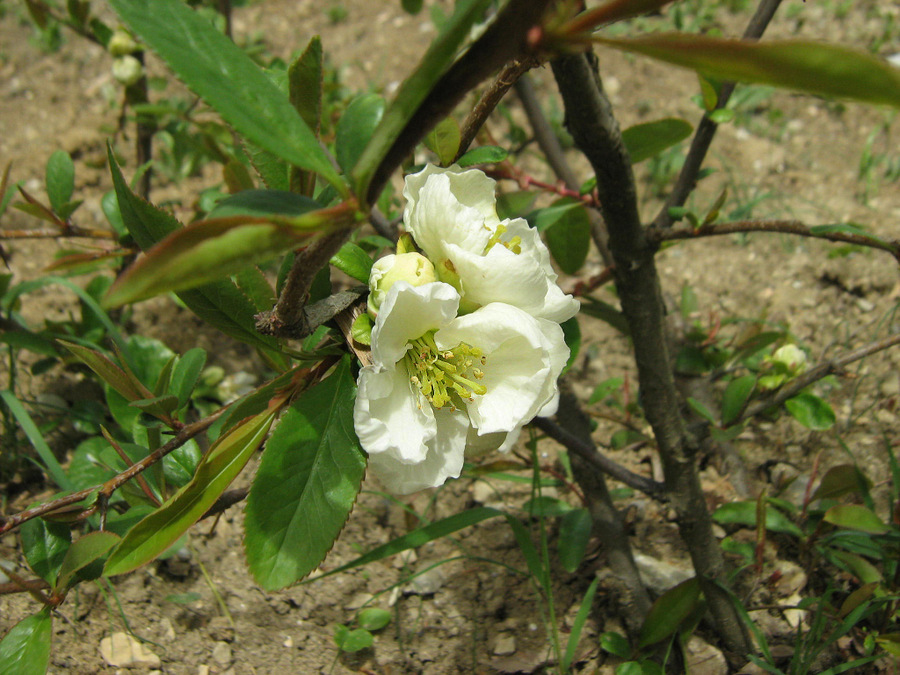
(413, 268)
(791, 357)
(122, 44)
(127, 70)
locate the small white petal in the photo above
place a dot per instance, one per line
(387, 417)
(407, 313)
(443, 460)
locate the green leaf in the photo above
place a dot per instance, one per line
(263, 203)
(811, 411)
(574, 533)
(486, 154)
(647, 140)
(25, 649)
(735, 398)
(567, 227)
(48, 460)
(811, 67)
(129, 388)
(444, 140)
(855, 517)
(187, 373)
(411, 6)
(86, 550)
(865, 571)
(840, 480)
(605, 389)
(60, 180)
(312, 464)
(209, 251)
(701, 409)
(572, 335)
(44, 544)
(162, 528)
(373, 618)
(356, 127)
(352, 640)
(305, 85)
(353, 261)
(415, 89)
(744, 513)
(584, 611)
(669, 611)
(615, 644)
(220, 304)
(228, 80)
(546, 507)
(423, 535)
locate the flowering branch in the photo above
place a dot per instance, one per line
(703, 137)
(659, 234)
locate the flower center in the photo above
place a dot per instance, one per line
(441, 374)
(514, 244)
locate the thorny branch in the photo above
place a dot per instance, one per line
(703, 137)
(658, 234)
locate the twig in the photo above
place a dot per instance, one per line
(25, 586)
(505, 79)
(598, 460)
(703, 137)
(186, 433)
(816, 373)
(70, 231)
(658, 234)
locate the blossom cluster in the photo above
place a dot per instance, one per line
(466, 344)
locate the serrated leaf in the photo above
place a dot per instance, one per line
(162, 528)
(567, 227)
(84, 551)
(353, 261)
(356, 127)
(735, 398)
(60, 180)
(574, 533)
(486, 154)
(25, 649)
(130, 388)
(305, 84)
(228, 79)
(306, 484)
(855, 517)
(669, 611)
(811, 411)
(44, 545)
(648, 139)
(811, 67)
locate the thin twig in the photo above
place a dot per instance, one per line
(657, 234)
(598, 460)
(72, 231)
(505, 79)
(703, 137)
(186, 433)
(816, 373)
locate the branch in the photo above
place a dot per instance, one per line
(505, 39)
(598, 460)
(815, 374)
(70, 231)
(104, 490)
(505, 79)
(659, 234)
(703, 137)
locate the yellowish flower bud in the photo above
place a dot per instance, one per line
(413, 268)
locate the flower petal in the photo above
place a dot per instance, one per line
(388, 418)
(407, 313)
(443, 459)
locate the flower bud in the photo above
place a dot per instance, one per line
(791, 357)
(413, 268)
(127, 70)
(121, 43)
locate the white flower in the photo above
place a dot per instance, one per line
(451, 214)
(413, 268)
(440, 383)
